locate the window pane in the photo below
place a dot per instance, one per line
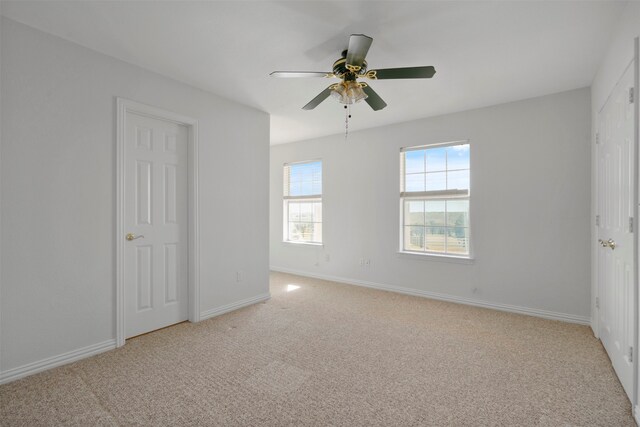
(414, 238)
(436, 181)
(458, 180)
(414, 182)
(301, 231)
(295, 173)
(458, 213)
(306, 187)
(317, 233)
(295, 189)
(435, 212)
(305, 179)
(294, 211)
(316, 178)
(458, 157)
(414, 161)
(306, 212)
(458, 240)
(294, 232)
(317, 212)
(435, 239)
(414, 212)
(436, 159)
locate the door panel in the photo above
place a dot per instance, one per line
(171, 279)
(155, 265)
(615, 207)
(143, 192)
(143, 275)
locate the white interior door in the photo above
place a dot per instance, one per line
(615, 231)
(155, 220)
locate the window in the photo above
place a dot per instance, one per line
(434, 199)
(303, 202)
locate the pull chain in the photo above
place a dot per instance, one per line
(346, 122)
(347, 116)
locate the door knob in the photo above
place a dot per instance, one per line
(607, 243)
(131, 236)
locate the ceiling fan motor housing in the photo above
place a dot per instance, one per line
(340, 69)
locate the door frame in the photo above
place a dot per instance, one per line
(636, 247)
(124, 107)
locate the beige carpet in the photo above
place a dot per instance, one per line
(327, 354)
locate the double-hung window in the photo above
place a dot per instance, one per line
(303, 202)
(434, 199)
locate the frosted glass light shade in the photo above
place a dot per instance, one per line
(348, 92)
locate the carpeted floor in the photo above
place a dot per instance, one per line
(327, 354)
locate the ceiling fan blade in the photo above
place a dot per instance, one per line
(359, 45)
(373, 99)
(318, 99)
(402, 73)
(294, 74)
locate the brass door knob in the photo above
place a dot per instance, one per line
(607, 243)
(131, 236)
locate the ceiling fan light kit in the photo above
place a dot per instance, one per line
(348, 92)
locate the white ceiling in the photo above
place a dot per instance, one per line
(485, 52)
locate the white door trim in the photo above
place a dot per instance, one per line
(125, 106)
(636, 218)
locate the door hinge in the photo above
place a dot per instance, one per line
(630, 224)
(632, 91)
(597, 302)
(598, 138)
(630, 354)
(598, 220)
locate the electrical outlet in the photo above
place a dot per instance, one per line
(367, 262)
(361, 262)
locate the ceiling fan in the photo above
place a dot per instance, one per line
(349, 68)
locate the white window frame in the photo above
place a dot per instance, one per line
(286, 199)
(440, 195)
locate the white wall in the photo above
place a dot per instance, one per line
(58, 192)
(530, 207)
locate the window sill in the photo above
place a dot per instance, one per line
(435, 257)
(289, 242)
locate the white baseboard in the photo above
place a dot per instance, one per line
(572, 318)
(207, 314)
(636, 414)
(55, 361)
(81, 353)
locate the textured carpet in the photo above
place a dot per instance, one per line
(327, 354)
